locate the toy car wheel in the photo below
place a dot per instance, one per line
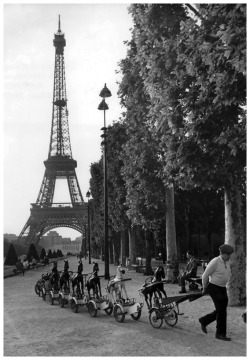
(171, 317)
(37, 291)
(118, 313)
(109, 310)
(92, 309)
(74, 306)
(61, 301)
(51, 299)
(137, 315)
(155, 318)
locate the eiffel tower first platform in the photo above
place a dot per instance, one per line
(44, 214)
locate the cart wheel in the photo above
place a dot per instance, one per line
(109, 310)
(137, 315)
(118, 313)
(171, 317)
(51, 299)
(74, 306)
(155, 318)
(37, 291)
(92, 309)
(61, 301)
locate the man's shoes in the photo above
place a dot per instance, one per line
(223, 337)
(203, 327)
(183, 291)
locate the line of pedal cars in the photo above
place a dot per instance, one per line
(78, 289)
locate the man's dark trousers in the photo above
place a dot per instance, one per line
(220, 299)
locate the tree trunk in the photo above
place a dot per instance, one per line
(148, 270)
(172, 268)
(235, 236)
(111, 254)
(122, 251)
(116, 247)
(132, 249)
(187, 226)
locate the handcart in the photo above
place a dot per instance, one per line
(121, 306)
(78, 298)
(100, 303)
(166, 309)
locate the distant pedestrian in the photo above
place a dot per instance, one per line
(127, 263)
(19, 266)
(26, 264)
(214, 281)
(80, 267)
(46, 260)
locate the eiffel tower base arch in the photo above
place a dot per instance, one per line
(43, 219)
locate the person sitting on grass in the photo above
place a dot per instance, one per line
(191, 271)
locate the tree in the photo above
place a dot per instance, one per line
(194, 73)
(155, 25)
(97, 204)
(144, 190)
(50, 255)
(6, 247)
(11, 257)
(43, 254)
(32, 253)
(59, 253)
(54, 254)
(117, 138)
(214, 56)
(119, 222)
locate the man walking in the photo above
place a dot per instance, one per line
(214, 281)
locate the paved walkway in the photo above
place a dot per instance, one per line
(33, 327)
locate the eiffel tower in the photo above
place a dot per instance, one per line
(44, 214)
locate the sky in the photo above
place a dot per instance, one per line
(95, 35)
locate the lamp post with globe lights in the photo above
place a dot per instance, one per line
(105, 93)
(88, 196)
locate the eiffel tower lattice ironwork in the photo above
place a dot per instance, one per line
(44, 214)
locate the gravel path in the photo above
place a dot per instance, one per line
(33, 327)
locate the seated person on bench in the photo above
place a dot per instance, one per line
(190, 272)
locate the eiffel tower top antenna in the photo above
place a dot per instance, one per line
(59, 24)
(60, 140)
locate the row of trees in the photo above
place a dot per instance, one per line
(11, 256)
(177, 156)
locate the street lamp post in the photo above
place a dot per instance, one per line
(85, 243)
(103, 106)
(88, 195)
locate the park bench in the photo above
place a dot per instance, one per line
(195, 282)
(138, 268)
